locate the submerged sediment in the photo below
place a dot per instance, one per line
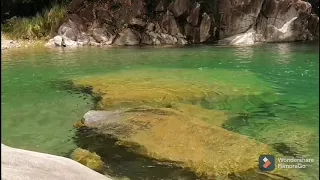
(180, 116)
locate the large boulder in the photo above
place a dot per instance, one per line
(158, 114)
(75, 5)
(205, 28)
(146, 39)
(192, 33)
(168, 134)
(70, 30)
(194, 15)
(313, 25)
(169, 24)
(162, 6)
(101, 35)
(279, 12)
(237, 16)
(180, 8)
(19, 164)
(290, 31)
(137, 22)
(127, 37)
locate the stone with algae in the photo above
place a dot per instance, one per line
(161, 114)
(166, 134)
(87, 158)
(161, 87)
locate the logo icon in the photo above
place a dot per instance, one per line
(267, 163)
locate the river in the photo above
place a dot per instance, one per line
(38, 114)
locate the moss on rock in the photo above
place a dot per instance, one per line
(87, 158)
(162, 87)
(166, 115)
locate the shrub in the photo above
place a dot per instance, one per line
(38, 27)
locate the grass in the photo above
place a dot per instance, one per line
(40, 26)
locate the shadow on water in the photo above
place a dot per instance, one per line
(121, 162)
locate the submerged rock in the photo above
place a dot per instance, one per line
(164, 116)
(87, 158)
(158, 87)
(170, 135)
(34, 165)
(92, 117)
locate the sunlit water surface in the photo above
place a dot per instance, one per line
(38, 115)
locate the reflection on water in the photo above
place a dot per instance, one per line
(244, 54)
(284, 51)
(33, 109)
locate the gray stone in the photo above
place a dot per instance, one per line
(180, 8)
(169, 24)
(137, 22)
(182, 41)
(192, 33)
(146, 39)
(313, 25)
(290, 31)
(194, 16)
(101, 35)
(70, 30)
(127, 37)
(237, 16)
(162, 6)
(205, 28)
(150, 27)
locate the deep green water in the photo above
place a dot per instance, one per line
(38, 115)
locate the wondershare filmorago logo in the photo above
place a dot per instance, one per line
(267, 163)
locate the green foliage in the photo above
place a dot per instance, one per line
(37, 27)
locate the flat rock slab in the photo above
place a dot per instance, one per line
(18, 164)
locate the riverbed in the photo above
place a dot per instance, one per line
(38, 112)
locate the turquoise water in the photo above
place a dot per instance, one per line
(37, 114)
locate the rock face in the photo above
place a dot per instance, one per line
(34, 165)
(143, 22)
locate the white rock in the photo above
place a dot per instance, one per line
(19, 164)
(57, 40)
(69, 43)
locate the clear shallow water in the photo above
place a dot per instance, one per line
(38, 115)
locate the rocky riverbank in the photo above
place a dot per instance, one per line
(7, 43)
(163, 22)
(19, 164)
